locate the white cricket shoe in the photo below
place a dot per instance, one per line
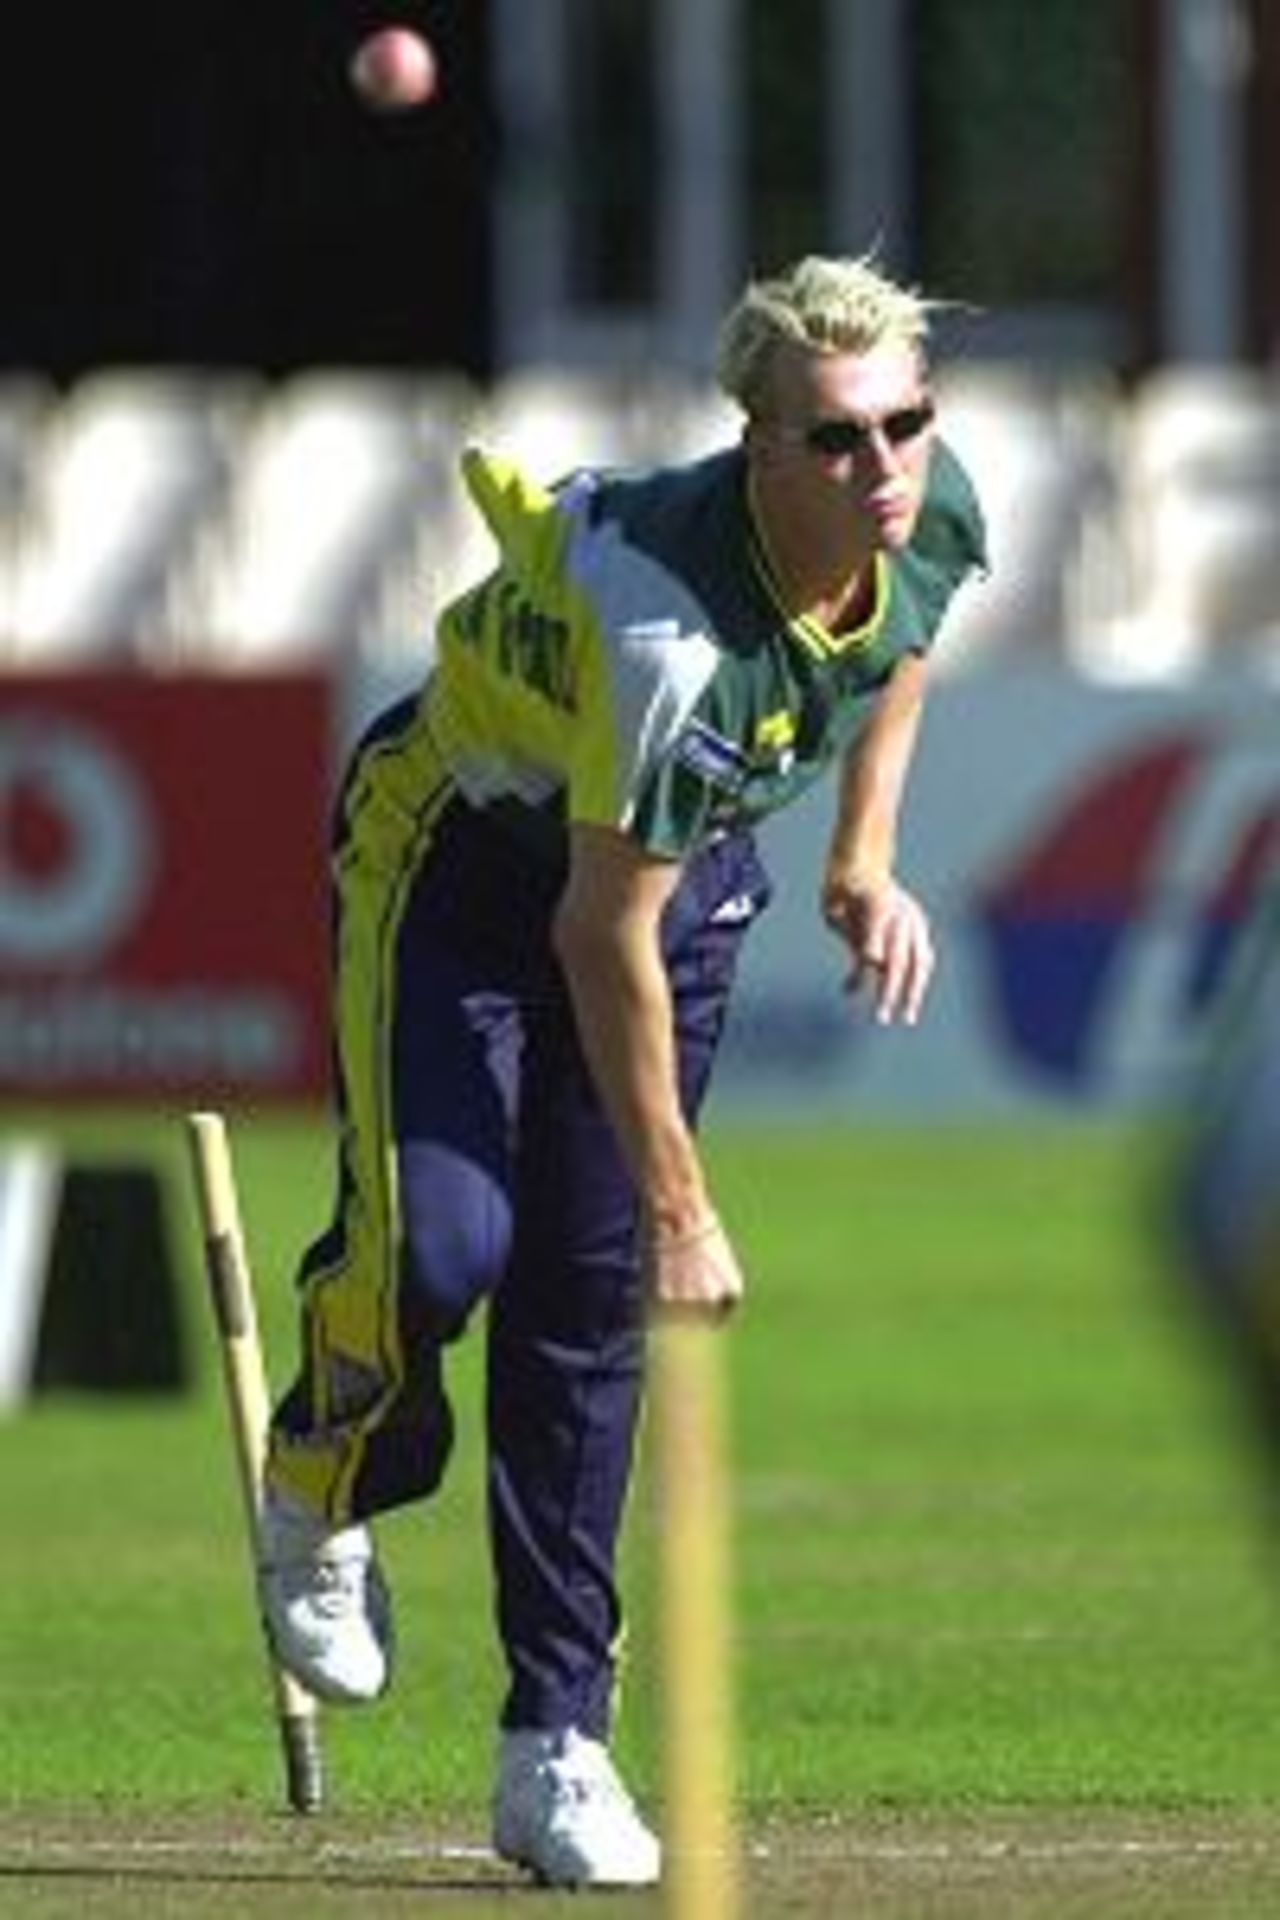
(561, 1810)
(325, 1602)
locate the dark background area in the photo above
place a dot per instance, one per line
(194, 182)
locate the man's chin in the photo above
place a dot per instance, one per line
(894, 530)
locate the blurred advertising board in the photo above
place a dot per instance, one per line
(1089, 855)
(163, 918)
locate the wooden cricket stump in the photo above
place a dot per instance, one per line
(249, 1408)
(701, 1868)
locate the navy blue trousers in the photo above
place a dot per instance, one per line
(512, 1191)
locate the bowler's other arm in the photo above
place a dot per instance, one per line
(607, 937)
(884, 927)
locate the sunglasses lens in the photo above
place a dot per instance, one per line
(837, 438)
(903, 426)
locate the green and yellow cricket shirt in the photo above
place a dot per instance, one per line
(628, 662)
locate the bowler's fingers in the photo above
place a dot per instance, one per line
(897, 957)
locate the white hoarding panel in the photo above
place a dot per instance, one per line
(1087, 854)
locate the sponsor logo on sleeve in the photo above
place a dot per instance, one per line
(716, 760)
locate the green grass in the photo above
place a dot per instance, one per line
(996, 1536)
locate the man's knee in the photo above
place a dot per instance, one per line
(457, 1224)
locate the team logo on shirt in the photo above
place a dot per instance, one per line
(776, 738)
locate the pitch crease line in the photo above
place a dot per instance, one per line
(374, 1851)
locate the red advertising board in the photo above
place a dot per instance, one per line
(163, 886)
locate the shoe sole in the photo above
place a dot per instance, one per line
(544, 1879)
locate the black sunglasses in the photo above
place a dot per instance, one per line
(835, 438)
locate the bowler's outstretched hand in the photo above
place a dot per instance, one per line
(890, 944)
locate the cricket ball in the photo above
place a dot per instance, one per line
(393, 70)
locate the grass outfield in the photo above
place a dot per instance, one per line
(996, 1537)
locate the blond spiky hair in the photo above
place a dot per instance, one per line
(827, 305)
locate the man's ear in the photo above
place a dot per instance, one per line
(755, 440)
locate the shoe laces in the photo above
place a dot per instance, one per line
(337, 1585)
(584, 1774)
(330, 1572)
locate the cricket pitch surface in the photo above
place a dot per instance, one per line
(1092, 1864)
